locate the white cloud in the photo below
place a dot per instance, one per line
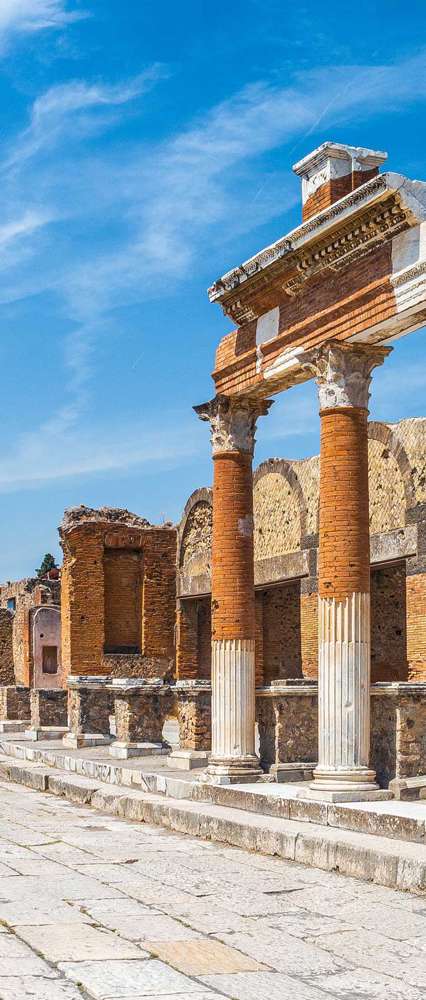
(29, 16)
(54, 452)
(154, 212)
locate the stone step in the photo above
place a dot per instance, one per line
(396, 864)
(385, 819)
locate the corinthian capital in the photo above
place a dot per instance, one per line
(343, 372)
(233, 421)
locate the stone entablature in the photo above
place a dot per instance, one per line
(118, 594)
(355, 271)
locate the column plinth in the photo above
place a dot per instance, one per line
(233, 423)
(343, 375)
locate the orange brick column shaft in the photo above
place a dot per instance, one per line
(343, 375)
(233, 424)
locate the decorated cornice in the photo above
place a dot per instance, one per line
(372, 214)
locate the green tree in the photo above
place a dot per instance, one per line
(47, 564)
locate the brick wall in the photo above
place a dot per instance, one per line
(193, 647)
(416, 626)
(104, 600)
(389, 623)
(282, 652)
(123, 575)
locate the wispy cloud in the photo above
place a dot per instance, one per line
(155, 210)
(30, 16)
(53, 453)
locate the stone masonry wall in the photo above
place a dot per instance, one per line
(7, 673)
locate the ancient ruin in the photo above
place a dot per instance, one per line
(281, 624)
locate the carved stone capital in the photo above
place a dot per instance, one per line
(233, 421)
(343, 372)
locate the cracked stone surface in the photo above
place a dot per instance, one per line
(96, 908)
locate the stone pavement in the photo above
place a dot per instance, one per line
(95, 907)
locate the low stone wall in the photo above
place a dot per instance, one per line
(140, 711)
(194, 715)
(287, 717)
(398, 730)
(89, 707)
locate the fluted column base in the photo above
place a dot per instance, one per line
(344, 697)
(233, 757)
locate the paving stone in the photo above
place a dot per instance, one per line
(28, 965)
(4, 870)
(368, 985)
(12, 947)
(263, 986)
(37, 988)
(119, 980)
(282, 952)
(304, 924)
(77, 942)
(27, 911)
(393, 922)
(371, 950)
(201, 957)
(148, 927)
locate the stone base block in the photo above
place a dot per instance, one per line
(76, 741)
(186, 760)
(141, 707)
(351, 795)
(36, 733)
(298, 771)
(408, 789)
(15, 703)
(49, 708)
(14, 725)
(124, 750)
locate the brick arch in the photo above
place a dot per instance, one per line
(195, 533)
(280, 513)
(391, 484)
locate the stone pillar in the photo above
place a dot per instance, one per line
(89, 708)
(233, 423)
(140, 708)
(15, 712)
(48, 714)
(343, 375)
(194, 715)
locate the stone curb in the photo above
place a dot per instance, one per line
(364, 856)
(389, 825)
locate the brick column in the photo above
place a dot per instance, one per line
(343, 376)
(233, 425)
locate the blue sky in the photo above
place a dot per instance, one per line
(145, 149)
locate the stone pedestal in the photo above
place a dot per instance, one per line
(141, 707)
(194, 715)
(48, 714)
(15, 711)
(89, 706)
(233, 423)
